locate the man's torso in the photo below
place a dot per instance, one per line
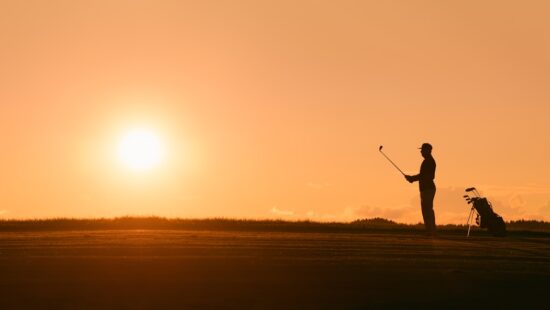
(427, 174)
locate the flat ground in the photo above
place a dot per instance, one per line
(181, 269)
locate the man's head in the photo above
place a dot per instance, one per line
(426, 150)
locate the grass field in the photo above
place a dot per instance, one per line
(270, 268)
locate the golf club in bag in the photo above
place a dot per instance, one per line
(485, 216)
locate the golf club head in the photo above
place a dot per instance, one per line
(469, 189)
(380, 148)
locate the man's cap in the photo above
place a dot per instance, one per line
(426, 146)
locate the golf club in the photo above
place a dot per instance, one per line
(380, 149)
(473, 189)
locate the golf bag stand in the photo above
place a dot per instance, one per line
(470, 217)
(472, 210)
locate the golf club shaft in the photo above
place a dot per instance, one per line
(392, 162)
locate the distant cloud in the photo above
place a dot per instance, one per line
(323, 217)
(545, 209)
(351, 213)
(517, 189)
(399, 213)
(281, 212)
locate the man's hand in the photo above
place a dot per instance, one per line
(409, 178)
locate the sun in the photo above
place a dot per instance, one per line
(140, 149)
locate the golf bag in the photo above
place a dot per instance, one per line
(485, 216)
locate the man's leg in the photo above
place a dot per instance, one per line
(427, 204)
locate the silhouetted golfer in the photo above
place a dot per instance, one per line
(427, 187)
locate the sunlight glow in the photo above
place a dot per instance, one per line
(140, 150)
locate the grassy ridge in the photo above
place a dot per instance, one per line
(363, 225)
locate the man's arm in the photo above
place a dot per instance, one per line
(412, 178)
(415, 178)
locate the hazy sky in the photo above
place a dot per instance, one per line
(274, 109)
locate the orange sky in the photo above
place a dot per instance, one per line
(274, 109)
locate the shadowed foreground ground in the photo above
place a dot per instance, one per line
(169, 269)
